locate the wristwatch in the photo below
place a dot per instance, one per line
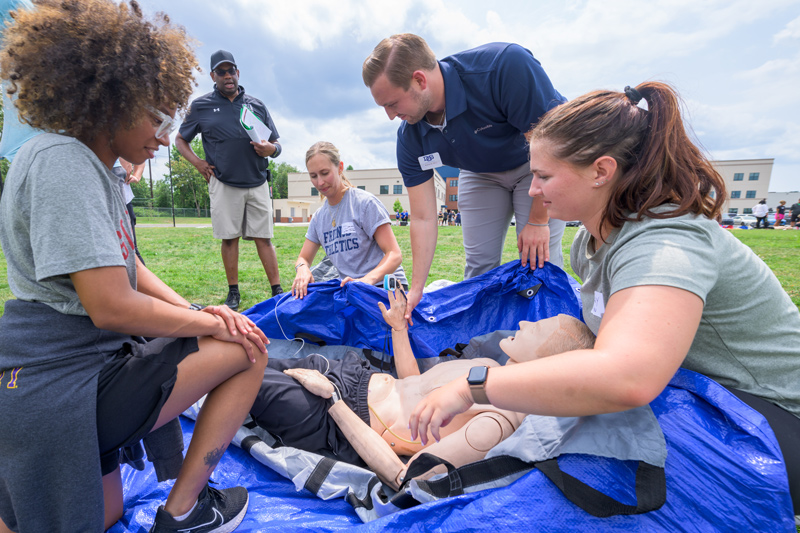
(477, 383)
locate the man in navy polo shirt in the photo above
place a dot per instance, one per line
(235, 168)
(470, 111)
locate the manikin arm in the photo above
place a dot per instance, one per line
(404, 359)
(376, 452)
(471, 442)
(378, 455)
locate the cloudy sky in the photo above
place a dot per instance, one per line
(735, 62)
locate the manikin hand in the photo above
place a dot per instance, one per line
(396, 315)
(312, 381)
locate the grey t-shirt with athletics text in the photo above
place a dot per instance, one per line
(749, 332)
(350, 243)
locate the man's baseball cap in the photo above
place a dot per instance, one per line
(221, 56)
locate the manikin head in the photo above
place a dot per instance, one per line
(549, 336)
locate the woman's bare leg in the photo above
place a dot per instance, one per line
(224, 369)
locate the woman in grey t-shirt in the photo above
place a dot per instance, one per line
(663, 286)
(352, 226)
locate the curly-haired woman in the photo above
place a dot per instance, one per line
(77, 379)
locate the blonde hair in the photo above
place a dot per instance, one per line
(398, 57)
(332, 153)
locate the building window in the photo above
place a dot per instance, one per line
(454, 183)
(362, 187)
(751, 194)
(733, 210)
(739, 176)
(736, 194)
(384, 189)
(753, 176)
(314, 191)
(398, 189)
(453, 197)
(747, 211)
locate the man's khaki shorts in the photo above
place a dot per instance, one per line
(237, 212)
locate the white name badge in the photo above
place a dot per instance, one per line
(599, 307)
(430, 161)
(348, 228)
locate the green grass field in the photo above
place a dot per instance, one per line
(188, 259)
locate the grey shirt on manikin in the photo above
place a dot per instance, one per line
(350, 242)
(61, 212)
(749, 332)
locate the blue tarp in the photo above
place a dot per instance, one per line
(350, 316)
(724, 469)
(724, 473)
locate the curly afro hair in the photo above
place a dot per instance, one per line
(89, 67)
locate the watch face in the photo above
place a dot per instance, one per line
(477, 375)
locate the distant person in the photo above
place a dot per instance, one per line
(795, 214)
(72, 341)
(780, 213)
(760, 211)
(458, 218)
(236, 170)
(470, 111)
(352, 226)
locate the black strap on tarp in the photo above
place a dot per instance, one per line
(651, 485)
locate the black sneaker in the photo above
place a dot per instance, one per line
(217, 511)
(233, 299)
(276, 290)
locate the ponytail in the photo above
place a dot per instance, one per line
(657, 161)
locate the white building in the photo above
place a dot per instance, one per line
(747, 181)
(385, 183)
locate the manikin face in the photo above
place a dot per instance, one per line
(410, 105)
(227, 83)
(525, 344)
(569, 192)
(139, 143)
(325, 176)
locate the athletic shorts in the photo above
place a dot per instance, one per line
(794, 218)
(131, 390)
(786, 427)
(299, 418)
(238, 212)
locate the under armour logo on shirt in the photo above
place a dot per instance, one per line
(216, 110)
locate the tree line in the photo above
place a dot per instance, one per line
(190, 189)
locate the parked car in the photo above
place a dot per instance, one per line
(573, 223)
(744, 220)
(727, 219)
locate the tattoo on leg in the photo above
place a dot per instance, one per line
(212, 458)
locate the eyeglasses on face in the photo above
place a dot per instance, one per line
(224, 71)
(168, 124)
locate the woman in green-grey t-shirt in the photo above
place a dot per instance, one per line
(663, 285)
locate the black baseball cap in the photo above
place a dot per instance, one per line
(221, 56)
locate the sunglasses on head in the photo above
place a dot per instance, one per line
(168, 124)
(223, 71)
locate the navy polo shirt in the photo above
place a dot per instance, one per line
(494, 94)
(225, 141)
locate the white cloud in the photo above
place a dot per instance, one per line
(791, 31)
